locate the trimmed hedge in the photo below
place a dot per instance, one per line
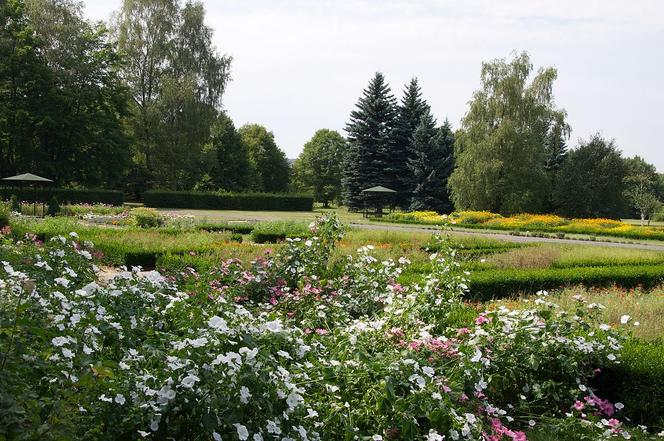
(637, 382)
(499, 283)
(65, 195)
(228, 201)
(273, 232)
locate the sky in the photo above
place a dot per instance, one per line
(300, 65)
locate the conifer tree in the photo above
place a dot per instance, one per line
(410, 111)
(431, 164)
(369, 159)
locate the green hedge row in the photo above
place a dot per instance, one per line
(637, 382)
(492, 284)
(65, 195)
(273, 232)
(228, 201)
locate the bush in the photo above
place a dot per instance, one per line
(273, 232)
(53, 207)
(638, 382)
(4, 214)
(492, 284)
(147, 217)
(228, 201)
(238, 228)
(14, 204)
(65, 195)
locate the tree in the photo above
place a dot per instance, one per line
(177, 80)
(590, 182)
(62, 97)
(231, 168)
(318, 168)
(640, 192)
(500, 154)
(369, 159)
(271, 163)
(409, 114)
(555, 153)
(431, 164)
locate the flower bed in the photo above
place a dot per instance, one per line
(290, 348)
(529, 222)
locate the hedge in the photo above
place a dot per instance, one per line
(228, 201)
(498, 283)
(637, 382)
(273, 232)
(65, 195)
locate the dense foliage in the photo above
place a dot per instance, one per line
(500, 154)
(318, 168)
(291, 346)
(64, 195)
(62, 100)
(228, 201)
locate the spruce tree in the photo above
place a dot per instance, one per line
(410, 112)
(369, 160)
(431, 164)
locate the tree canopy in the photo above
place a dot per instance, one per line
(369, 158)
(591, 181)
(270, 161)
(500, 153)
(318, 168)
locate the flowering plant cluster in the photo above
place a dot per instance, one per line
(291, 347)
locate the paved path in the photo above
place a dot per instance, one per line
(510, 238)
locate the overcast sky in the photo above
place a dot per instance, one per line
(300, 65)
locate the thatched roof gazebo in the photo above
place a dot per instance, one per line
(30, 180)
(377, 197)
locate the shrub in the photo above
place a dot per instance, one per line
(14, 204)
(53, 207)
(147, 217)
(4, 214)
(492, 284)
(273, 232)
(638, 382)
(66, 195)
(228, 201)
(238, 228)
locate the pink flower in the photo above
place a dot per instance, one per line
(578, 405)
(481, 319)
(462, 331)
(613, 423)
(321, 331)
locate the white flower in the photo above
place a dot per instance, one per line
(293, 400)
(189, 381)
(428, 371)
(273, 427)
(308, 243)
(59, 341)
(216, 436)
(244, 394)
(120, 399)
(611, 357)
(218, 324)
(624, 319)
(619, 406)
(67, 353)
(274, 326)
(103, 397)
(87, 350)
(434, 436)
(242, 431)
(377, 438)
(199, 342)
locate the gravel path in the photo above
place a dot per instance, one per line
(510, 238)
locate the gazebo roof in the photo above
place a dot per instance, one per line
(27, 177)
(378, 189)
